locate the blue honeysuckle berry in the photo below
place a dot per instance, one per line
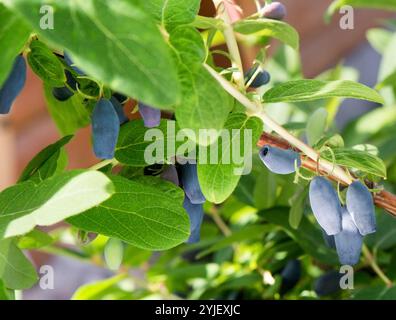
(13, 85)
(70, 80)
(261, 79)
(349, 241)
(274, 10)
(118, 107)
(71, 64)
(325, 205)
(290, 275)
(170, 174)
(329, 240)
(105, 129)
(190, 183)
(195, 213)
(327, 284)
(360, 205)
(62, 93)
(279, 161)
(150, 115)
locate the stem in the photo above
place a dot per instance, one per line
(232, 43)
(220, 223)
(103, 164)
(370, 259)
(256, 109)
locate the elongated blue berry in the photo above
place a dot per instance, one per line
(13, 85)
(71, 64)
(150, 115)
(278, 160)
(328, 284)
(62, 93)
(349, 241)
(105, 128)
(120, 110)
(170, 174)
(274, 10)
(70, 80)
(329, 240)
(360, 205)
(290, 275)
(325, 205)
(190, 183)
(195, 213)
(261, 79)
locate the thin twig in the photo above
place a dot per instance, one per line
(370, 259)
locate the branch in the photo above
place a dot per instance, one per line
(232, 44)
(382, 199)
(256, 109)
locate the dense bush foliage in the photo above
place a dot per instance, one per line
(199, 230)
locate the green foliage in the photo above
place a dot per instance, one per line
(160, 52)
(144, 212)
(14, 33)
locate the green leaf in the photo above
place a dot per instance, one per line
(360, 160)
(269, 28)
(5, 293)
(14, 33)
(189, 44)
(46, 163)
(379, 39)
(308, 90)
(316, 125)
(219, 179)
(172, 13)
(113, 254)
(307, 236)
(265, 190)
(45, 64)
(134, 142)
(297, 206)
(98, 290)
(379, 292)
(204, 104)
(27, 205)
(145, 212)
(70, 115)
(388, 63)
(16, 271)
(116, 42)
(34, 239)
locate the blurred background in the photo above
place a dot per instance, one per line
(29, 128)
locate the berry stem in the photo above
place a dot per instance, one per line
(231, 42)
(371, 261)
(103, 164)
